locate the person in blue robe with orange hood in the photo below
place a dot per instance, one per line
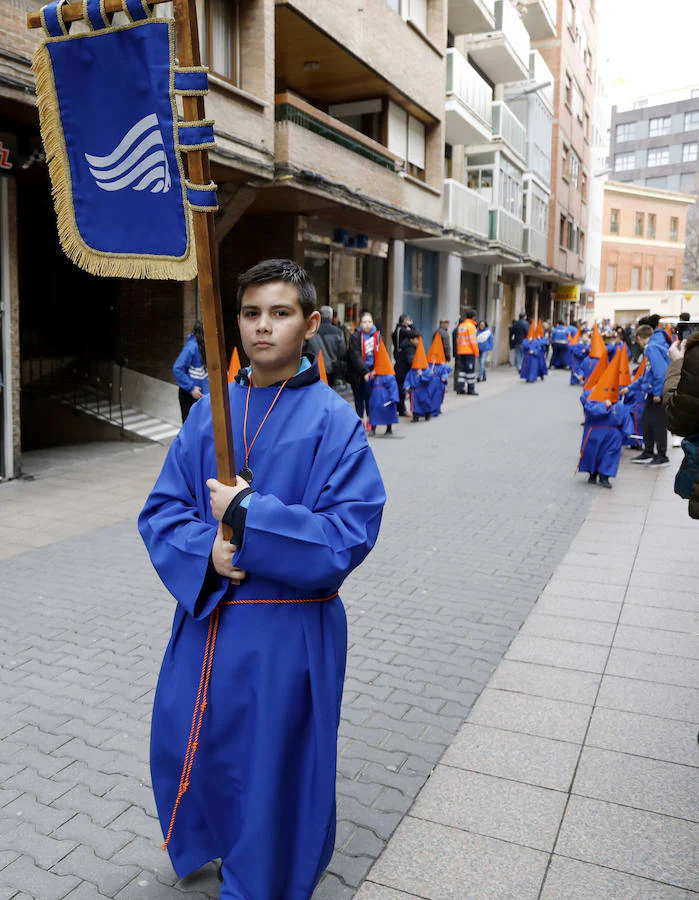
(247, 707)
(383, 403)
(418, 382)
(606, 426)
(437, 361)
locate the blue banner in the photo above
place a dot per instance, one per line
(109, 125)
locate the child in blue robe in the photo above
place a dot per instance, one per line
(533, 363)
(606, 426)
(578, 353)
(438, 387)
(383, 401)
(243, 739)
(418, 381)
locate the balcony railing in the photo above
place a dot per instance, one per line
(469, 88)
(508, 21)
(471, 16)
(464, 209)
(507, 127)
(535, 244)
(506, 229)
(289, 108)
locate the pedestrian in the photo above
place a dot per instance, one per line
(418, 381)
(437, 362)
(363, 346)
(443, 332)
(681, 400)
(653, 421)
(635, 402)
(405, 324)
(404, 362)
(467, 353)
(511, 343)
(533, 366)
(578, 353)
(486, 342)
(331, 341)
(383, 401)
(250, 777)
(606, 423)
(560, 340)
(520, 330)
(190, 371)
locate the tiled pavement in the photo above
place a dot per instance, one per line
(482, 510)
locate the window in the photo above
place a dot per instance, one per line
(417, 13)
(406, 138)
(481, 180)
(583, 186)
(364, 116)
(660, 126)
(570, 15)
(568, 88)
(624, 162)
(581, 243)
(640, 217)
(564, 162)
(674, 228)
(626, 132)
(651, 226)
(570, 235)
(577, 102)
(691, 120)
(689, 152)
(648, 283)
(219, 37)
(562, 232)
(574, 169)
(611, 277)
(670, 280)
(636, 278)
(614, 216)
(687, 184)
(510, 188)
(659, 157)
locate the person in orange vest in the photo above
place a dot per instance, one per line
(467, 352)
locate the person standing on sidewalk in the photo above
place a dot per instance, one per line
(443, 332)
(520, 329)
(486, 342)
(363, 347)
(681, 400)
(467, 352)
(653, 421)
(331, 340)
(190, 371)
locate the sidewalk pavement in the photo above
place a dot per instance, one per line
(575, 774)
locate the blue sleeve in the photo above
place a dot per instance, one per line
(596, 412)
(181, 369)
(178, 540)
(658, 364)
(315, 549)
(392, 390)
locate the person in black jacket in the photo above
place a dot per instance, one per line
(363, 347)
(519, 332)
(404, 361)
(331, 340)
(405, 324)
(681, 399)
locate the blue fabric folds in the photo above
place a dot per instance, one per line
(191, 82)
(202, 197)
(95, 15)
(196, 136)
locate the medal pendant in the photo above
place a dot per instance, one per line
(246, 474)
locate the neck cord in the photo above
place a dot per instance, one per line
(248, 449)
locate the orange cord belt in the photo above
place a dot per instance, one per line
(203, 692)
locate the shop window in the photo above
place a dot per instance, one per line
(640, 222)
(611, 277)
(651, 226)
(674, 228)
(614, 218)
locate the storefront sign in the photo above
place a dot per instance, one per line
(568, 292)
(8, 153)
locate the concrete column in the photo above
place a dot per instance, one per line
(449, 288)
(394, 289)
(537, 315)
(520, 296)
(9, 302)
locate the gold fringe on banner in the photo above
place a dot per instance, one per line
(97, 262)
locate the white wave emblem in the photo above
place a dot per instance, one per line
(138, 161)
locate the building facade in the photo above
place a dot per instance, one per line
(643, 247)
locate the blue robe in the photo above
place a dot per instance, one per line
(634, 403)
(588, 367)
(418, 381)
(262, 787)
(438, 386)
(383, 403)
(559, 336)
(578, 354)
(533, 362)
(603, 436)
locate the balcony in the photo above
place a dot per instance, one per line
(503, 54)
(535, 244)
(469, 113)
(508, 128)
(464, 209)
(471, 16)
(539, 17)
(506, 229)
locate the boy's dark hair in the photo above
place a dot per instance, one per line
(685, 317)
(413, 333)
(654, 320)
(469, 313)
(644, 331)
(284, 270)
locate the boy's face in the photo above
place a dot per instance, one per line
(642, 342)
(366, 323)
(273, 326)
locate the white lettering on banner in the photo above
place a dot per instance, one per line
(131, 161)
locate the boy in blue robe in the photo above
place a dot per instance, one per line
(533, 362)
(559, 338)
(437, 360)
(243, 740)
(383, 402)
(606, 426)
(418, 381)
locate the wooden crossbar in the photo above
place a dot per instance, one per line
(73, 12)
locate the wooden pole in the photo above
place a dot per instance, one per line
(199, 172)
(72, 12)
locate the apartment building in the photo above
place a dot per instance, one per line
(643, 245)
(655, 142)
(330, 148)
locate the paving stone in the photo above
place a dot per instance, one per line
(562, 654)
(568, 878)
(662, 739)
(633, 695)
(555, 719)
(108, 877)
(655, 640)
(25, 875)
(441, 863)
(662, 597)
(631, 840)
(546, 681)
(565, 628)
(26, 809)
(80, 829)
(653, 667)
(509, 754)
(660, 787)
(654, 617)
